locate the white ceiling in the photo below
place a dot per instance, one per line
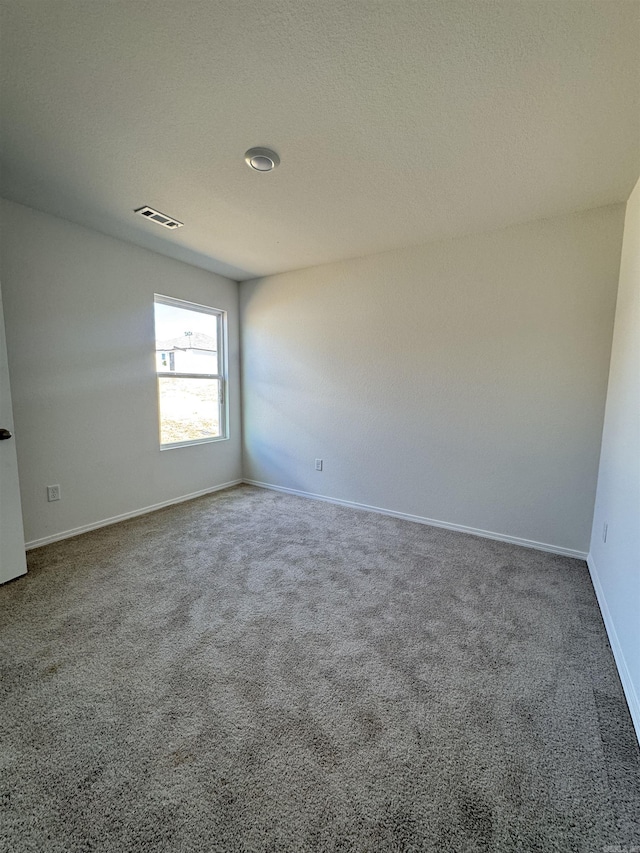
(397, 122)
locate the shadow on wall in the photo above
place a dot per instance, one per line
(280, 463)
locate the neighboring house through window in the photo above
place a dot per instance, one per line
(191, 371)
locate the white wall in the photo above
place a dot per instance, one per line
(80, 338)
(615, 566)
(462, 381)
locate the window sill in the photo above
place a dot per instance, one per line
(193, 443)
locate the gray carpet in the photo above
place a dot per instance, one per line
(258, 672)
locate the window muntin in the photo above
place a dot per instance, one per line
(191, 372)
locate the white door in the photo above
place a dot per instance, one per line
(12, 557)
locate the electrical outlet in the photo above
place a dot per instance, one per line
(318, 464)
(605, 530)
(53, 493)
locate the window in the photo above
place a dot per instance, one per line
(190, 366)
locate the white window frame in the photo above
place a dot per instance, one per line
(223, 407)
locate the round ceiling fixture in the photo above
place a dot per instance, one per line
(261, 159)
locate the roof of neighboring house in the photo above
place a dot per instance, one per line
(195, 341)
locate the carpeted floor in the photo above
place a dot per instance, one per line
(258, 672)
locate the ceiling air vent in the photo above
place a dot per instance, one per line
(160, 218)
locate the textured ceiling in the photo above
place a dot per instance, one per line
(397, 122)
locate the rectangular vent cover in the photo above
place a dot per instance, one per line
(160, 218)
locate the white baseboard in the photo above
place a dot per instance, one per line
(460, 528)
(623, 670)
(105, 522)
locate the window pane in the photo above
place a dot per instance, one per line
(189, 409)
(186, 340)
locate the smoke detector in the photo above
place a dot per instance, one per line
(159, 218)
(261, 159)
